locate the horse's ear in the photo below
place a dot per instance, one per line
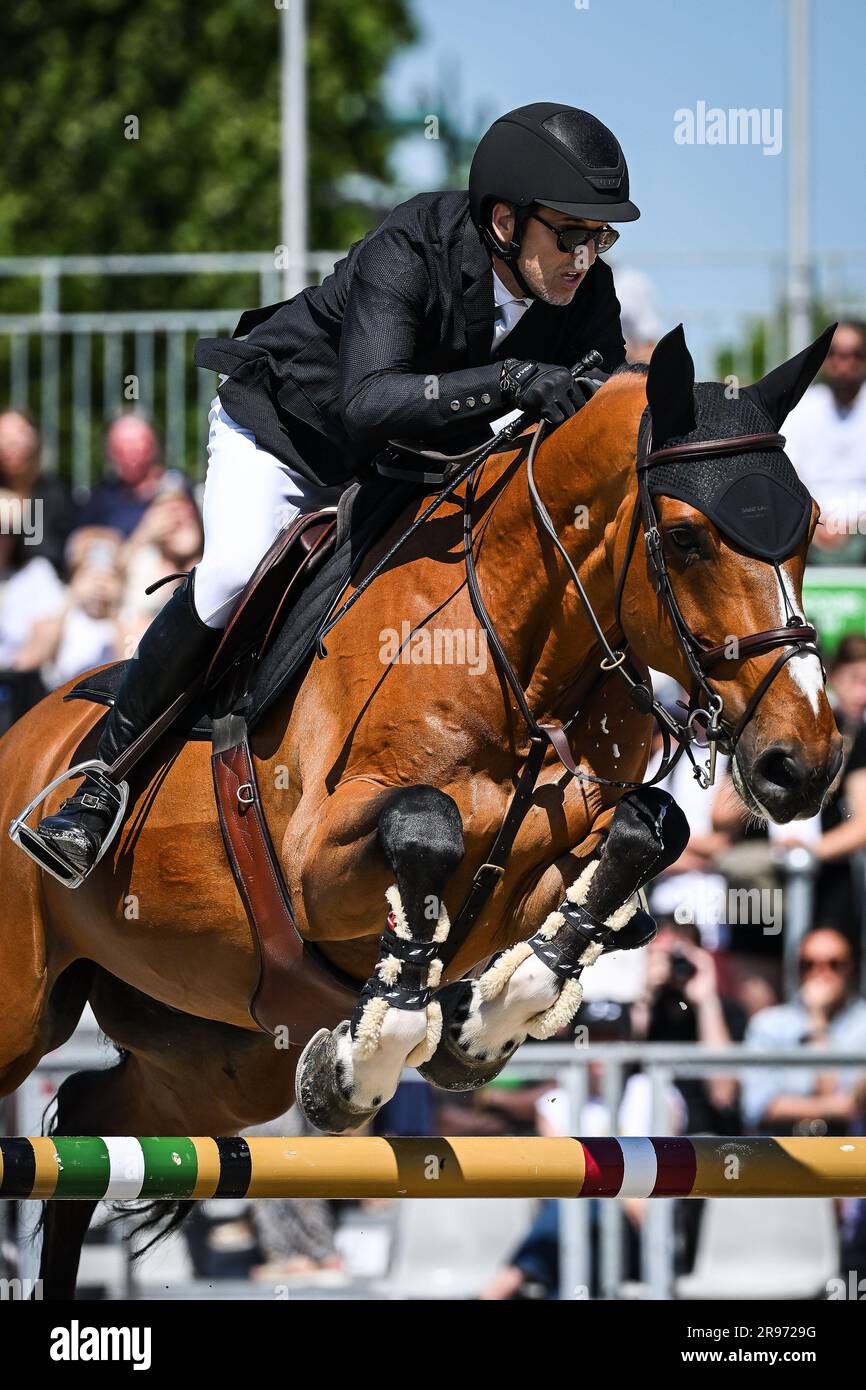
(779, 391)
(670, 387)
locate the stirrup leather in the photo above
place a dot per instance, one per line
(47, 856)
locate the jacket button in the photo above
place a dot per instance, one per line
(455, 405)
(485, 398)
(470, 400)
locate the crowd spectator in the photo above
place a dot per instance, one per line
(826, 1013)
(134, 472)
(29, 586)
(839, 844)
(86, 630)
(168, 539)
(29, 590)
(834, 838)
(692, 889)
(73, 580)
(47, 507)
(826, 442)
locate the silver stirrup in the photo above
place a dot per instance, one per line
(44, 854)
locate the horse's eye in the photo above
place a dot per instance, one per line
(683, 537)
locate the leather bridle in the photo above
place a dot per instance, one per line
(706, 706)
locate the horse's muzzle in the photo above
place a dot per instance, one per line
(785, 783)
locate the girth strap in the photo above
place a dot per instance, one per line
(293, 986)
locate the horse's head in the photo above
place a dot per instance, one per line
(733, 526)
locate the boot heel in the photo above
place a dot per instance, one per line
(47, 856)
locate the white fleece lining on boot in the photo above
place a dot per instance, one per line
(389, 968)
(494, 980)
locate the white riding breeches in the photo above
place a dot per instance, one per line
(249, 497)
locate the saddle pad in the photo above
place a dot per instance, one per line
(366, 512)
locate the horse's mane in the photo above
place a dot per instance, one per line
(641, 368)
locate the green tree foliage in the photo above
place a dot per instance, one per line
(202, 83)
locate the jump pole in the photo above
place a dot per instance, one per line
(124, 1169)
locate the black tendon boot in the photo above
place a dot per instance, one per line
(174, 650)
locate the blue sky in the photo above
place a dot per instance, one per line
(633, 63)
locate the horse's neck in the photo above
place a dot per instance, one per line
(528, 592)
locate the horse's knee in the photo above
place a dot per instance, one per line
(648, 833)
(421, 835)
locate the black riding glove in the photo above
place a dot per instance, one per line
(541, 389)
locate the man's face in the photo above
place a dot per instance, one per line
(551, 274)
(845, 364)
(19, 443)
(825, 968)
(132, 447)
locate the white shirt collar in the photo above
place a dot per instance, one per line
(502, 295)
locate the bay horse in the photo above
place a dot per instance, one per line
(384, 781)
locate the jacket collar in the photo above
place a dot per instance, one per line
(477, 284)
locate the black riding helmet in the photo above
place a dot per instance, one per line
(549, 154)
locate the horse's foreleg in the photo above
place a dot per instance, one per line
(346, 1074)
(533, 989)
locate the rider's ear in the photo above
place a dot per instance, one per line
(670, 387)
(779, 391)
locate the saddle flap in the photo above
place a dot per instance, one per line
(295, 554)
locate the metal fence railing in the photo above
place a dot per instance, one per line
(76, 368)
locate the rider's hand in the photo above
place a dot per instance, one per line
(541, 389)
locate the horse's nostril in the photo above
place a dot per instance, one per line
(781, 767)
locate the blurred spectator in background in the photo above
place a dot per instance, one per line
(847, 681)
(639, 314)
(296, 1235)
(134, 465)
(167, 540)
(826, 442)
(86, 630)
(681, 1003)
(692, 889)
(826, 1013)
(20, 471)
(835, 837)
(29, 587)
(838, 889)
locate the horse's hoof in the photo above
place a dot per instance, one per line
(450, 1067)
(638, 931)
(320, 1090)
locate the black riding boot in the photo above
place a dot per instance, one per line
(174, 650)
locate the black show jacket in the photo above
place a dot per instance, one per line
(395, 343)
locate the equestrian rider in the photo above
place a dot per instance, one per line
(459, 307)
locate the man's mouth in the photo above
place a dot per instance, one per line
(573, 277)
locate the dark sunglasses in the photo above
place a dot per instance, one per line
(569, 239)
(837, 963)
